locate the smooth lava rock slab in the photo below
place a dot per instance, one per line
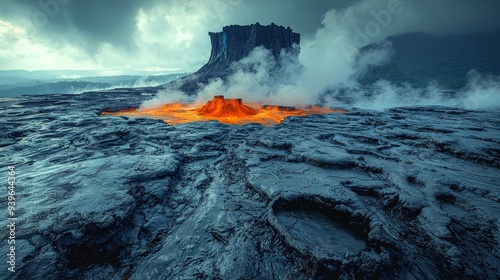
(321, 234)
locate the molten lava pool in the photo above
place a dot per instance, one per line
(228, 111)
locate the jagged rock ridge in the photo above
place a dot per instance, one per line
(234, 43)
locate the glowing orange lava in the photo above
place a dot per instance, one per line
(228, 111)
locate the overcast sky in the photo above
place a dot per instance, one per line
(171, 35)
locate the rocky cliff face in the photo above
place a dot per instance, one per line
(234, 43)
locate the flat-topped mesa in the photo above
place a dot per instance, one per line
(220, 107)
(236, 42)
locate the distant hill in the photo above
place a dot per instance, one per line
(44, 74)
(17, 83)
(421, 58)
(57, 87)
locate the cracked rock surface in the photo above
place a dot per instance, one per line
(409, 193)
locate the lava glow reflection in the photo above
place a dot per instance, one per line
(228, 111)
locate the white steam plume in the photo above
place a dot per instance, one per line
(166, 97)
(482, 91)
(332, 63)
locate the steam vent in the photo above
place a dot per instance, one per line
(234, 43)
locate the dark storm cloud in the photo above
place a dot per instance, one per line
(93, 22)
(456, 16)
(381, 18)
(89, 22)
(302, 16)
(111, 21)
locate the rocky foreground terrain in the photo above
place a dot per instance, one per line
(408, 193)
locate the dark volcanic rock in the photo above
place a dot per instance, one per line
(234, 43)
(410, 193)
